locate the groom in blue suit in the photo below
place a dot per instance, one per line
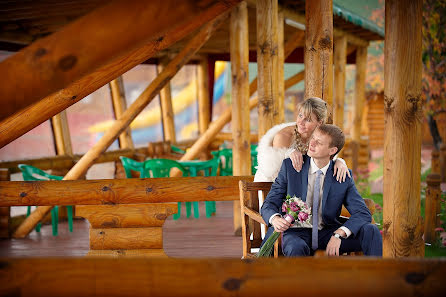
(316, 185)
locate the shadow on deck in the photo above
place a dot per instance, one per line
(184, 238)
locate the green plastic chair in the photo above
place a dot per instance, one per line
(153, 168)
(33, 173)
(204, 168)
(225, 156)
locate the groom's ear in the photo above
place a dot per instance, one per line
(333, 150)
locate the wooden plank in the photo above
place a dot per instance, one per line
(149, 253)
(126, 238)
(221, 277)
(14, 126)
(61, 133)
(167, 114)
(53, 62)
(239, 49)
(318, 54)
(5, 212)
(402, 229)
(119, 103)
(267, 63)
(340, 60)
(126, 216)
(204, 105)
(120, 191)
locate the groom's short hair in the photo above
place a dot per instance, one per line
(336, 135)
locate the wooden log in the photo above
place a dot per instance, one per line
(443, 162)
(292, 43)
(51, 63)
(431, 218)
(402, 227)
(119, 191)
(318, 54)
(126, 216)
(267, 63)
(5, 212)
(239, 49)
(280, 102)
(222, 277)
(167, 114)
(340, 60)
(126, 238)
(435, 161)
(297, 78)
(14, 126)
(61, 133)
(121, 253)
(119, 103)
(204, 105)
(129, 115)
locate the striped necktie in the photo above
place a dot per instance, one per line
(316, 189)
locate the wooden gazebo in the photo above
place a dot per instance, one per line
(62, 57)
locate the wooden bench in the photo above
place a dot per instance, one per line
(252, 220)
(126, 215)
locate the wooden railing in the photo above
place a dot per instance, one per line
(353, 276)
(126, 215)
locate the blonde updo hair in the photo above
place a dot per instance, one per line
(314, 105)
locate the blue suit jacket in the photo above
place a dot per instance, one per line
(335, 194)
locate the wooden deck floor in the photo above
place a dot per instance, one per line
(184, 238)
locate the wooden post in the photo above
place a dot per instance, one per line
(267, 63)
(127, 230)
(61, 133)
(443, 162)
(361, 67)
(435, 162)
(431, 218)
(204, 108)
(402, 227)
(239, 49)
(51, 63)
(14, 126)
(117, 93)
(340, 60)
(318, 53)
(167, 114)
(129, 115)
(5, 212)
(280, 102)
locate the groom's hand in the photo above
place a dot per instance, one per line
(334, 244)
(280, 224)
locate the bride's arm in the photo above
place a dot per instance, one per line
(340, 169)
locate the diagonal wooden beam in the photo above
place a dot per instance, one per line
(128, 116)
(88, 43)
(14, 126)
(119, 103)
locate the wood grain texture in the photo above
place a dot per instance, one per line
(340, 60)
(221, 277)
(267, 63)
(240, 125)
(61, 134)
(119, 104)
(204, 108)
(126, 238)
(53, 62)
(318, 54)
(14, 126)
(280, 102)
(5, 212)
(402, 225)
(148, 253)
(167, 114)
(431, 218)
(126, 216)
(120, 191)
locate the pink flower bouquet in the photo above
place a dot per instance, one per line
(296, 212)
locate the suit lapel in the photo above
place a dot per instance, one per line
(327, 184)
(304, 176)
